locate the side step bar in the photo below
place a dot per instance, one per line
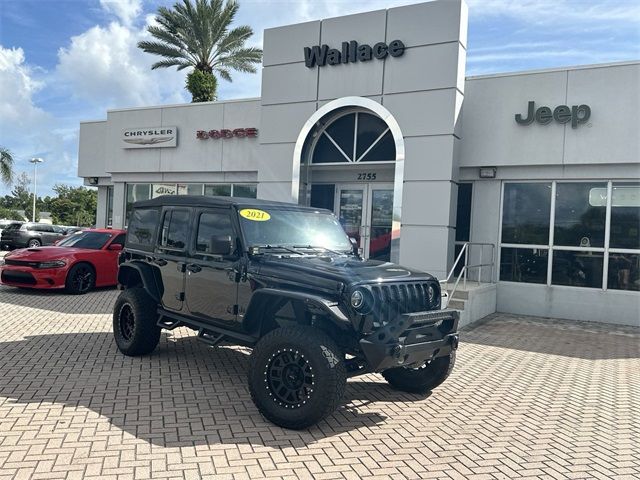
(210, 338)
(207, 332)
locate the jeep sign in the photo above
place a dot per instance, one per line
(577, 115)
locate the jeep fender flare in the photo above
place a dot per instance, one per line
(253, 319)
(144, 273)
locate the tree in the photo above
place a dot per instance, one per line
(73, 205)
(196, 33)
(6, 166)
(7, 214)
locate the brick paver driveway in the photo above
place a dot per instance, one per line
(537, 399)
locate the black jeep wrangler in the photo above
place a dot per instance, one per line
(287, 281)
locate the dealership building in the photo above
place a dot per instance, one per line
(371, 116)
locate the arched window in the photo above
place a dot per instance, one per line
(354, 137)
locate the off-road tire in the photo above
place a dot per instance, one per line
(80, 279)
(423, 379)
(135, 328)
(325, 377)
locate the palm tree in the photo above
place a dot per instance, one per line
(6, 166)
(196, 33)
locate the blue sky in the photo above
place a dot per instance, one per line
(63, 61)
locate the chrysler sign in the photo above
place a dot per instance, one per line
(150, 137)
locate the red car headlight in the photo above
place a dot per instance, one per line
(52, 264)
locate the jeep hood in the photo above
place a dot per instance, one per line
(345, 269)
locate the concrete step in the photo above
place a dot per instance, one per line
(456, 304)
(459, 294)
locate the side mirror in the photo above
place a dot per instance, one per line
(116, 247)
(221, 245)
(354, 246)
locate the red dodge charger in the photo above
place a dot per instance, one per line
(78, 263)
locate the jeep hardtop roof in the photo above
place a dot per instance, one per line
(210, 201)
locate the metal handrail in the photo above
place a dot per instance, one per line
(465, 267)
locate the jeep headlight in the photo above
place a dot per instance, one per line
(357, 299)
(431, 292)
(361, 301)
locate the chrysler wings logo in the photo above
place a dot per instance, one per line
(149, 137)
(148, 141)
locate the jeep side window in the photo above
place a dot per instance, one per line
(212, 224)
(175, 230)
(142, 226)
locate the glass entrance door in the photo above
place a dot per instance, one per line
(366, 211)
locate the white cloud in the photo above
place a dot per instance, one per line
(555, 12)
(104, 66)
(17, 110)
(126, 10)
(25, 128)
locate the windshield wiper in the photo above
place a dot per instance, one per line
(317, 247)
(278, 247)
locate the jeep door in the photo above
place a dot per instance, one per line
(211, 280)
(170, 254)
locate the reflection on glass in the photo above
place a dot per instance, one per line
(245, 190)
(381, 219)
(526, 213)
(222, 190)
(577, 269)
(624, 271)
(189, 189)
(135, 193)
(527, 265)
(326, 152)
(371, 141)
(109, 206)
(625, 216)
(463, 215)
(159, 189)
(577, 222)
(350, 212)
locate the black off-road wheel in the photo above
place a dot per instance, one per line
(297, 376)
(135, 326)
(422, 379)
(80, 279)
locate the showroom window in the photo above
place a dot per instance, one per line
(109, 206)
(579, 234)
(146, 191)
(354, 137)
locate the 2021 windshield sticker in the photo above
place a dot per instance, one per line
(255, 215)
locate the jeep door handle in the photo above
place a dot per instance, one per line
(159, 261)
(193, 268)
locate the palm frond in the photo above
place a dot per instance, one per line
(6, 166)
(198, 33)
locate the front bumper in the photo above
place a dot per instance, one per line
(411, 339)
(33, 278)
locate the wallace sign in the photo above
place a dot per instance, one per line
(350, 52)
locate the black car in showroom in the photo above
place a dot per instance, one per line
(286, 281)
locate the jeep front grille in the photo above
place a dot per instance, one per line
(398, 298)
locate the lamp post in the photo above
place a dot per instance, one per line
(35, 162)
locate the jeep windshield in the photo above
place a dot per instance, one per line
(295, 231)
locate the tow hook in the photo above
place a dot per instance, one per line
(455, 340)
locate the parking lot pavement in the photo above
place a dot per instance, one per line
(527, 399)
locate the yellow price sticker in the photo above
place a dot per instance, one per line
(254, 214)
